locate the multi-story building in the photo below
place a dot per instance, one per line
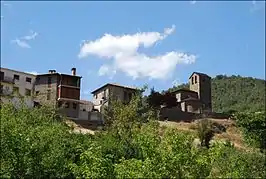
(16, 85)
(102, 95)
(59, 90)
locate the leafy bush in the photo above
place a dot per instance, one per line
(36, 143)
(205, 132)
(253, 126)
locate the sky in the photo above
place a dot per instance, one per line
(134, 43)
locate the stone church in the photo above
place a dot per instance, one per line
(196, 99)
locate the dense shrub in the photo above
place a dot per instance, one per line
(36, 143)
(253, 126)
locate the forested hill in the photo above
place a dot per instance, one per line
(236, 93)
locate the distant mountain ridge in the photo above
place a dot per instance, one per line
(235, 93)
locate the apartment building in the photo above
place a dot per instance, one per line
(59, 90)
(102, 95)
(16, 85)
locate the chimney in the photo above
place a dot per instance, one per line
(73, 70)
(52, 71)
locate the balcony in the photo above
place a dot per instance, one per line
(7, 79)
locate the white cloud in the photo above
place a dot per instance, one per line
(23, 41)
(123, 50)
(107, 70)
(32, 36)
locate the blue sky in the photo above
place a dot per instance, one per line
(134, 43)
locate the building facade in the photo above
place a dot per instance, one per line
(59, 90)
(201, 83)
(102, 95)
(196, 99)
(16, 85)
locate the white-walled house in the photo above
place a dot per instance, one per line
(118, 92)
(16, 85)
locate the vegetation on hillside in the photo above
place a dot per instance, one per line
(36, 143)
(235, 93)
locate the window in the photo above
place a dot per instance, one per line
(75, 82)
(48, 94)
(192, 80)
(74, 105)
(28, 92)
(125, 95)
(83, 109)
(16, 77)
(66, 105)
(37, 92)
(15, 90)
(196, 80)
(1, 89)
(130, 96)
(28, 79)
(37, 79)
(101, 102)
(96, 96)
(49, 81)
(2, 74)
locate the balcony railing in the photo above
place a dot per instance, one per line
(8, 79)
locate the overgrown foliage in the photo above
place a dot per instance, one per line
(36, 143)
(205, 132)
(253, 126)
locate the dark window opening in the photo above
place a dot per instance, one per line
(84, 110)
(37, 79)
(16, 77)
(49, 81)
(37, 92)
(76, 82)
(1, 89)
(130, 96)
(66, 105)
(74, 105)
(28, 79)
(2, 74)
(192, 80)
(36, 104)
(196, 80)
(125, 95)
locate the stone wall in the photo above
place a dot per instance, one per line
(175, 114)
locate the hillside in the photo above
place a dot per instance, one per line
(236, 93)
(231, 133)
